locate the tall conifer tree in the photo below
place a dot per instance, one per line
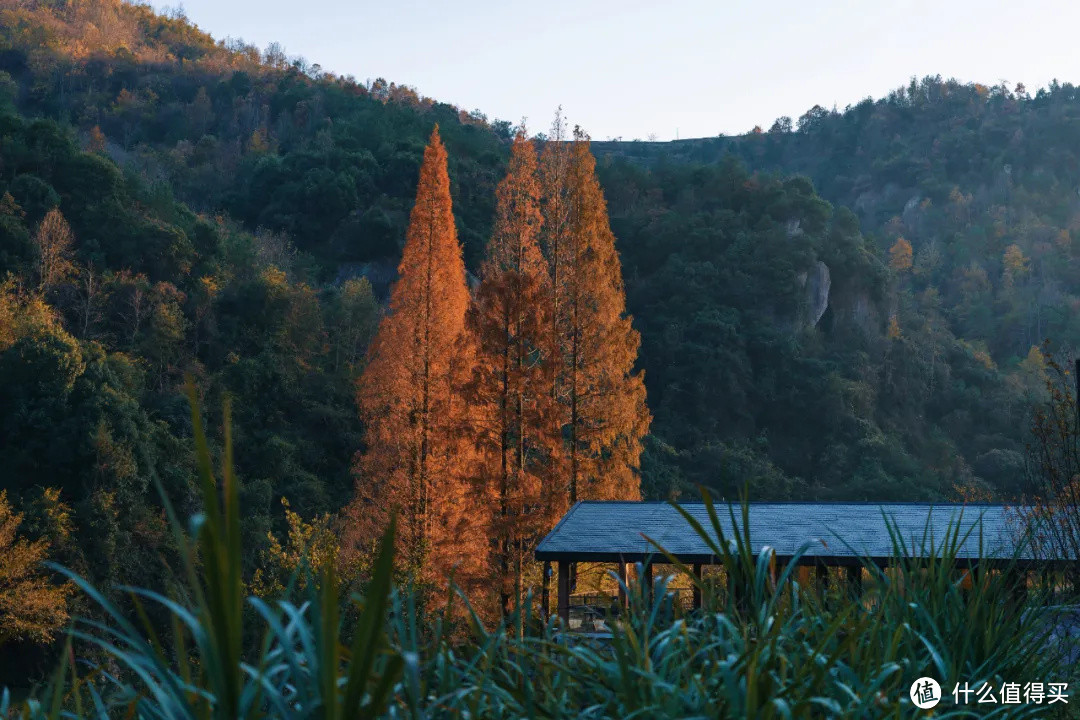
(555, 209)
(516, 412)
(417, 454)
(604, 413)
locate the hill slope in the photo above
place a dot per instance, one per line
(224, 204)
(977, 187)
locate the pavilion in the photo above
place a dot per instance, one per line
(834, 534)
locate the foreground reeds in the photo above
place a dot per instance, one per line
(771, 649)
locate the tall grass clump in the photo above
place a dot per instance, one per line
(768, 648)
(201, 669)
(762, 646)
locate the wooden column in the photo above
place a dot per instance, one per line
(564, 592)
(854, 579)
(1049, 585)
(777, 570)
(966, 583)
(1018, 581)
(545, 591)
(821, 572)
(737, 594)
(647, 579)
(697, 589)
(624, 578)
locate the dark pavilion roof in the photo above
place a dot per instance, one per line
(839, 533)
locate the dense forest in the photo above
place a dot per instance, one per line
(257, 265)
(849, 306)
(969, 197)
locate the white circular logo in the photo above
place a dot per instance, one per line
(925, 693)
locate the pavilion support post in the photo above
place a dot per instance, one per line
(1018, 582)
(697, 586)
(854, 579)
(564, 592)
(624, 583)
(738, 593)
(967, 581)
(647, 580)
(784, 566)
(1045, 582)
(545, 591)
(821, 574)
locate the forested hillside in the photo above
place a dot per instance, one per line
(783, 350)
(173, 205)
(273, 141)
(970, 197)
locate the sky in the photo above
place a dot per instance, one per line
(641, 70)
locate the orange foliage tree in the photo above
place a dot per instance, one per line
(516, 414)
(604, 413)
(32, 607)
(900, 255)
(555, 209)
(417, 455)
(53, 249)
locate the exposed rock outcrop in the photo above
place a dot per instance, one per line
(817, 283)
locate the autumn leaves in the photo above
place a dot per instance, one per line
(488, 413)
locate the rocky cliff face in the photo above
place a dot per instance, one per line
(816, 284)
(849, 306)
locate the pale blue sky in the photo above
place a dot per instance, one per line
(629, 69)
